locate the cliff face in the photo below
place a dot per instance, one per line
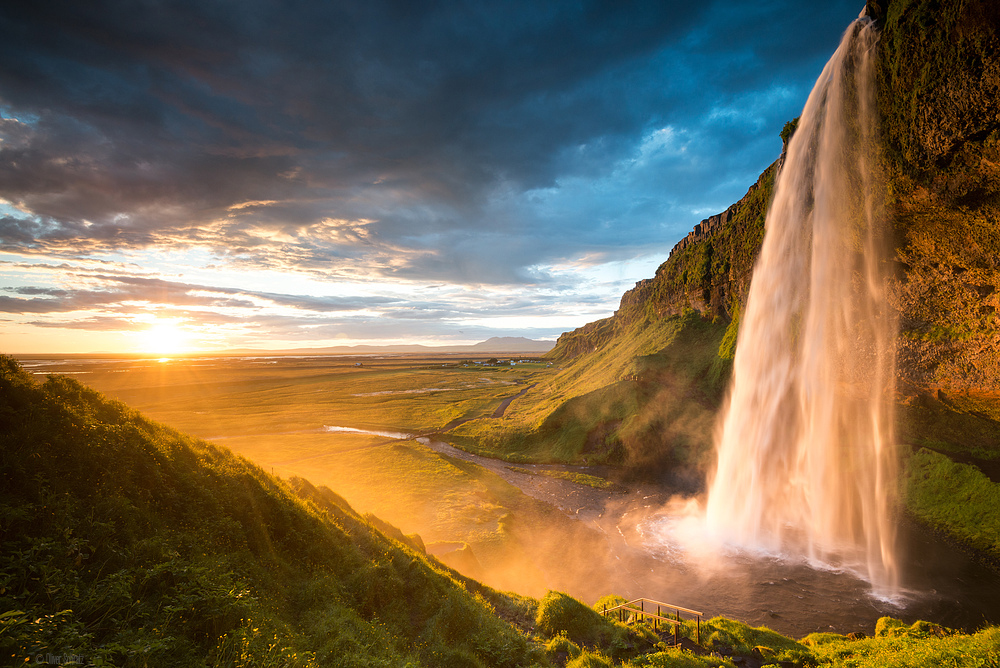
(939, 99)
(939, 83)
(642, 388)
(707, 271)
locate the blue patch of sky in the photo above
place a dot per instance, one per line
(8, 210)
(26, 117)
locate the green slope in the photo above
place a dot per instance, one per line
(640, 390)
(643, 399)
(127, 543)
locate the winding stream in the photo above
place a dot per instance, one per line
(937, 582)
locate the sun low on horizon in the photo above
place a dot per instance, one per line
(163, 338)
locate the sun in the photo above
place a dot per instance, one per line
(164, 338)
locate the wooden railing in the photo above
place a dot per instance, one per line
(629, 612)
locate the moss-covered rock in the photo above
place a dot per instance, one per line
(939, 98)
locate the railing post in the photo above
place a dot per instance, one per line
(627, 614)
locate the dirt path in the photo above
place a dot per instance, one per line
(498, 413)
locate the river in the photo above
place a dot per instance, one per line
(939, 582)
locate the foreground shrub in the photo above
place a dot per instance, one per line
(560, 613)
(561, 648)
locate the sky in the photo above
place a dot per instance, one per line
(197, 176)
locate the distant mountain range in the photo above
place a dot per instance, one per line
(497, 344)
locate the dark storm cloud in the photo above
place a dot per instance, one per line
(247, 127)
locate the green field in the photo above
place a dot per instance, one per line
(278, 411)
(226, 397)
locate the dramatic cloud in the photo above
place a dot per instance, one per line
(551, 151)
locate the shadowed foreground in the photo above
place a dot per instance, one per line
(127, 543)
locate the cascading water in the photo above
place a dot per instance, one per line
(806, 460)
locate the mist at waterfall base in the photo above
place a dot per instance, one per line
(799, 515)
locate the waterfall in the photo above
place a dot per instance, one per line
(806, 454)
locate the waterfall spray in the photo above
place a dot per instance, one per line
(806, 459)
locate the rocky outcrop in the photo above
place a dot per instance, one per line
(713, 224)
(709, 270)
(585, 339)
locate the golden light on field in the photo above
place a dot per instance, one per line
(164, 338)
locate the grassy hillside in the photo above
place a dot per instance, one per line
(128, 543)
(271, 413)
(644, 399)
(125, 543)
